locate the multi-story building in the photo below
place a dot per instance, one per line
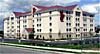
(53, 22)
(16, 23)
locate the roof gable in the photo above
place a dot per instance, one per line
(44, 8)
(21, 13)
(29, 30)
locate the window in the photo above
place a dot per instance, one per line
(77, 30)
(69, 12)
(77, 13)
(7, 22)
(66, 18)
(37, 14)
(50, 12)
(37, 20)
(77, 19)
(50, 30)
(25, 25)
(50, 18)
(50, 24)
(12, 18)
(37, 30)
(91, 20)
(84, 24)
(18, 26)
(7, 30)
(18, 30)
(91, 25)
(40, 36)
(18, 22)
(33, 20)
(91, 15)
(70, 36)
(33, 26)
(8, 27)
(40, 30)
(25, 21)
(85, 29)
(69, 24)
(78, 8)
(77, 24)
(84, 19)
(40, 14)
(69, 29)
(50, 36)
(91, 29)
(33, 15)
(12, 22)
(12, 26)
(37, 25)
(67, 36)
(40, 25)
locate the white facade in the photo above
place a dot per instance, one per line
(72, 27)
(14, 25)
(47, 24)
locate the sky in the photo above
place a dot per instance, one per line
(8, 6)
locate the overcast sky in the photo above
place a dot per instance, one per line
(8, 6)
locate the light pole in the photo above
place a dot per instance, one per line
(19, 32)
(81, 38)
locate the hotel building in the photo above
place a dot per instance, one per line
(52, 22)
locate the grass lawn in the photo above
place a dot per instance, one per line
(70, 46)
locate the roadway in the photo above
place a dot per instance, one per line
(18, 50)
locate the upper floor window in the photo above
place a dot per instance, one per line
(50, 18)
(12, 18)
(33, 20)
(50, 12)
(77, 19)
(68, 18)
(91, 20)
(77, 24)
(18, 26)
(91, 15)
(78, 8)
(84, 24)
(50, 30)
(84, 19)
(50, 24)
(12, 26)
(33, 15)
(69, 12)
(77, 13)
(91, 25)
(24, 21)
(12, 22)
(91, 29)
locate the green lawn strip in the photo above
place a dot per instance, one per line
(40, 48)
(59, 46)
(70, 46)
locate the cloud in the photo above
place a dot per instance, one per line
(25, 5)
(92, 8)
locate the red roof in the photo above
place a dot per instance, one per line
(29, 30)
(43, 8)
(21, 13)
